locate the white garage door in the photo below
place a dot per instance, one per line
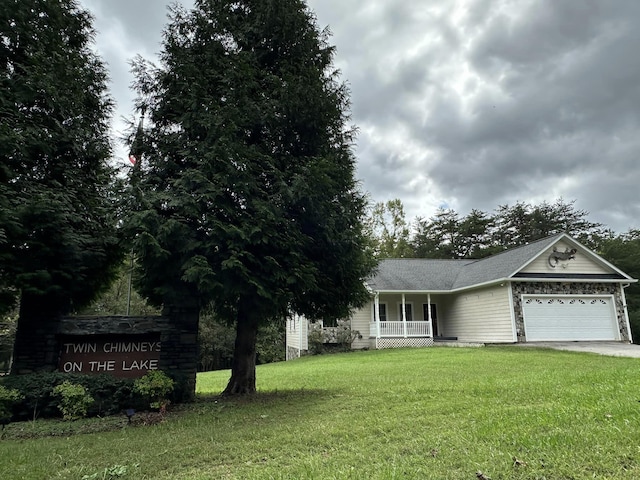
(569, 318)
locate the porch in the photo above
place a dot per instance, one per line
(414, 317)
(405, 329)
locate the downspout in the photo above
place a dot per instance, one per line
(514, 327)
(626, 311)
(299, 334)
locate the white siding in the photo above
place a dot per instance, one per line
(360, 321)
(482, 315)
(583, 263)
(297, 332)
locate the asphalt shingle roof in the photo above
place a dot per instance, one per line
(421, 274)
(412, 274)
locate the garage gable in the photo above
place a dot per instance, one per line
(566, 257)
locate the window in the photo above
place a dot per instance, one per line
(434, 317)
(329, 322)
(408, 308)
(382, 311)
(425, 312)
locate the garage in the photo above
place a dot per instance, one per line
(569, 318)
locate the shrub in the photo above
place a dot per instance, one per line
(345, 336)
(36, 390)
(155, 386)
(271, 342)
(634, 321)
(73, 400)
(339, 338)
(8, 398)
(316, 339)
(112, 395)
(216, 340)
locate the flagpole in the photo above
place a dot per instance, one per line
(130, 282)
(135, 157)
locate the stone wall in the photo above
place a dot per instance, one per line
(568, 288)
(178, 331)
(292, 353)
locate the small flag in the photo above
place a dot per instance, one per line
(135, 154)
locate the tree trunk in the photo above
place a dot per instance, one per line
(243, 367)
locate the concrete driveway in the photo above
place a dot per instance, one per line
(614, 349)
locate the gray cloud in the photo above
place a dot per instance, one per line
(467, 103)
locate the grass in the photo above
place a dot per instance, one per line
(441, 413)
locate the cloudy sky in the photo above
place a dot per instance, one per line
(464, 103)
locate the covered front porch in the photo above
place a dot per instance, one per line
(403, 319)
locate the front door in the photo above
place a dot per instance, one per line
(434, 317)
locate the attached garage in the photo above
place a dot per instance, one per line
(569, 318)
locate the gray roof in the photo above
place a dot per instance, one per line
(421, 274)
(416, 274)
(502, 265)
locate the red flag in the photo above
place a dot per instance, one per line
(135, 153)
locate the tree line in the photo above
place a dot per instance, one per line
(449, 235)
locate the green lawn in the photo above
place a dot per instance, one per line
(442, 413)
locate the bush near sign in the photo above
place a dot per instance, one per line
(124, 356)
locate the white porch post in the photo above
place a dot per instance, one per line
(429, 313)
(404, 317)
(376, 313)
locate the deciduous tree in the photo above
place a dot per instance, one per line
(389, 230)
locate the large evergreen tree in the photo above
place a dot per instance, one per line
(57, 239)
(248, 198)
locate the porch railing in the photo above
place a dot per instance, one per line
(397, 329)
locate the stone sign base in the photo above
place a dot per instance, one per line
(117, 345)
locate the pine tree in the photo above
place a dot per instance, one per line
(57, 211)
(247, 191)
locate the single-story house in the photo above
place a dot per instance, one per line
(554, 289)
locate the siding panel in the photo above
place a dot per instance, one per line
(583, 263)
(297, 331)
(360, 321)
(482, 315)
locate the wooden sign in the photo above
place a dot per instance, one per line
(127, 356)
